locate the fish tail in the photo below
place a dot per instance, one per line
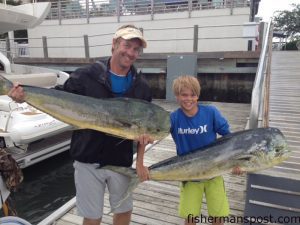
(5, 85)
(133, 183)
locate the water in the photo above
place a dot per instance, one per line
(46, 186)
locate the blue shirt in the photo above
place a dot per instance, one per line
(120, 84)
(191, 133)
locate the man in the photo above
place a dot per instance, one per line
(91, 149)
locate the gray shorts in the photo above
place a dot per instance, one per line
(90, 185)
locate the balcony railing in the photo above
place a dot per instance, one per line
(99, 8)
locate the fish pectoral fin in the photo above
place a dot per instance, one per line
(133, 183)
(132, 124)
(123, 123)
(243, 158)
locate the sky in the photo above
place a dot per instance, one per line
(268, 7)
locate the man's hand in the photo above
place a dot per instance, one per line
(17, 93)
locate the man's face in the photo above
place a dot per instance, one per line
(125, 52)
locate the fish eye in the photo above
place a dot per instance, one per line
(277, 150)
(157, 130)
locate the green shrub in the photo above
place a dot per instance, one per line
(290, 46)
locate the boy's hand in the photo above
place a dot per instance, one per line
(237, 171)
(17, 93)
(142, 172)
(144, 139)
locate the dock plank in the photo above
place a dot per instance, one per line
(156, 202)
(285, 108)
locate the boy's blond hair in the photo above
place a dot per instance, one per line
(186, 81)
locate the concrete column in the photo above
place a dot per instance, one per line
(8, 49)
(45, 47)
(12, 46)
(86, 46)
(261, 34)
(59, 12)
(152, 9)
(87, 6)
(190, 5)
(142, 30)
(118, 5)
(195, 45)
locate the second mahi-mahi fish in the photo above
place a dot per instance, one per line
(250, 150)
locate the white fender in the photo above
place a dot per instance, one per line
(4, 191)
(12, 220)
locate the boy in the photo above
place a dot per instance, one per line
(192, 115)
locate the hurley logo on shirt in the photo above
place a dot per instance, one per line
(200, 130)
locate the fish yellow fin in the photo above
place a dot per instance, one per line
(134, 181)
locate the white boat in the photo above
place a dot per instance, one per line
(22, 16)
(27, 133)
(24, 129)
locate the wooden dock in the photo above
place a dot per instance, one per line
(156, 203)
(284, 109)
(276, 191)
(285, 106)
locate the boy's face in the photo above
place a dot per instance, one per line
(188, 101)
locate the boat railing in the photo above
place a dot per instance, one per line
(5, 2)
(98, 8)
(14, 49)
(259, 113)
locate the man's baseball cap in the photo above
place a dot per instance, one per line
(128, 33)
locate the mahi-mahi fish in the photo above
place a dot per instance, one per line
(122, 117)
(251, 150)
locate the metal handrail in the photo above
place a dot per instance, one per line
(258, 99)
